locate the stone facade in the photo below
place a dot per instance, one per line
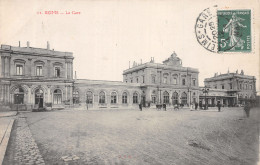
(43, 78)
(230, 89)
(35, 78)
(168, 83)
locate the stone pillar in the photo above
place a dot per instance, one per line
(48, 94)
(6, 67)
(170, 98)
(70, 94)
(29, 67)
(66, 92)
(1, 93)
(71, 70)
(48, 68)
(29, 95)
(66, 70)
(3, 66)
(7, 93)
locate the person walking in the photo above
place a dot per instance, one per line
(140, 106)
(164, 106)
(196, 105)
(247, 109)
(219, 106)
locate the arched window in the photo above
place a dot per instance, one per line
(113, 98)
(174, 81)
(89, 97)
(135, 98)
(165, 97)
(184, 98)
(102, 98)
(18, 96)
(57, 96)
(75, 97)
(124, 98)
(175, 98)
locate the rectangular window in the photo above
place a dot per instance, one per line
(19, 70)
(143, 79)
(183, 82)
(57, 72)
(153, 79)
(174, 81)
(38, 70)
(231, 86)
(194, 82)
(223, 87)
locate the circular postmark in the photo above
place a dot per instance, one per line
(206, 29)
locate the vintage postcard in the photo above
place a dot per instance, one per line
(129, 82)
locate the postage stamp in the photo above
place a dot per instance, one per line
(223, 31)
(234, 30)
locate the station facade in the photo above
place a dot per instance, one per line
(33, 78)
(231, 89)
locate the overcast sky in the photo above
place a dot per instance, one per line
(106, 35)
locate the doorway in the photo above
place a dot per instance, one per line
(39, 98)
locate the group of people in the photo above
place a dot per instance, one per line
(176, 107)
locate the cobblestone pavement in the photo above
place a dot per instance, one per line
(26, 149)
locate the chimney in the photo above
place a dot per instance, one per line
(48, 45)
(75, 75)
(28, 44)
(19, 44)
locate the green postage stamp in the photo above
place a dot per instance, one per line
(234, 30)
(223, 31)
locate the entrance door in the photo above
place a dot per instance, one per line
(143, 101)
(39, 98)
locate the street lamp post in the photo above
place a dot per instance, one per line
(205, 90)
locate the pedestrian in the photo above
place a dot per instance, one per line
(164, 107)
(196, 105)
(200, 104)
(247, 109)
(219, 106)
(176, 107)
(140, 106)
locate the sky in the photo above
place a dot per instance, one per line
(106, 35)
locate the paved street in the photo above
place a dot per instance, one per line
(25, 150)
(135, 137)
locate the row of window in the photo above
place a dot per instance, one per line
(38, 70)
(246, 86)
(165, 80)
(113, 100)
(102, 98)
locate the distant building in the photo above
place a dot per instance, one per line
(230, 89)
